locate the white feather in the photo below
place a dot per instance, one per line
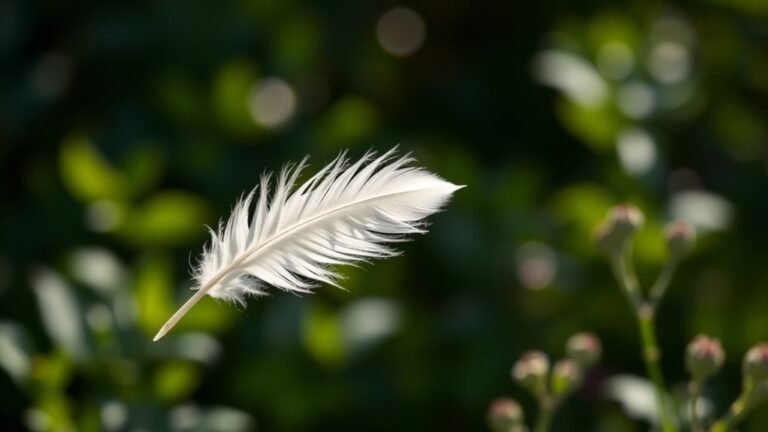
(344, 214)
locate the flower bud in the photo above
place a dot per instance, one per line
(756, 363)
(566, 377)
(704, 357)
(531, 371)
(505, 415)
(584, 348)
(681, 236)
(621, 223)
(626, 219)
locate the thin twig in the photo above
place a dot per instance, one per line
(695, 395)
(662, 282)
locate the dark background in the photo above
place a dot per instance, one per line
(125, 127)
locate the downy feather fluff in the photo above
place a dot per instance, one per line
(346, 213)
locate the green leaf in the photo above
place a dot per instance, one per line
(231, 89)
(175, 381)
(167, 218)
(208, 315)
(15, 351)
(322, 336)
(61, 313)
(580, 208)
(597, 126)
(153, 293)
(85, 172)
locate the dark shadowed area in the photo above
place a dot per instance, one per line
(126, 127)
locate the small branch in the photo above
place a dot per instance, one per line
(651, 356)
(547, 407)
(738, 410)
(695, 395)
(662, 282)
(625, 274)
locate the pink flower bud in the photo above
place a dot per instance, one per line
(584, 348)
(705, 356)
(626, 219)
(531, 371)
(620, 225)
(505, 415)
(756, 363)
(566, 377)
(681, 237)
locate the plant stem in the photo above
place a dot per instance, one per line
(739, 409)
(695, 395)
(662, 282)
(546, 411)
(625, 274)
(651, 355)
(645, 310)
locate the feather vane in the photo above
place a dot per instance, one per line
(345, 214)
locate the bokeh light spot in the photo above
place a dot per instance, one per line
(536, 265)
(615, 60)
(99, 318)
(113, 415)
(103, 216)
(705, 210)
(637, 151)
(272, 102)
(52, 75)
(573, 76)
(97, 267)
(636, 100)
(401, 31)
(670, 62)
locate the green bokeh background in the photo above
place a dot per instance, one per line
(125, 128)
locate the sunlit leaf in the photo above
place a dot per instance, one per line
(612, 26)
(60, 313)
(231, 90)
(85, 172)
(322, 336)
(15, 351)
(650, 245)
(580, 207)
(208, 315)
(596, 126)
(153, 294)
(55, 412)
(52, 372)
(98, 268)
(169, 217)
(175, 381)
(636, 396)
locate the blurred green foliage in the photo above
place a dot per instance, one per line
(125, 128)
